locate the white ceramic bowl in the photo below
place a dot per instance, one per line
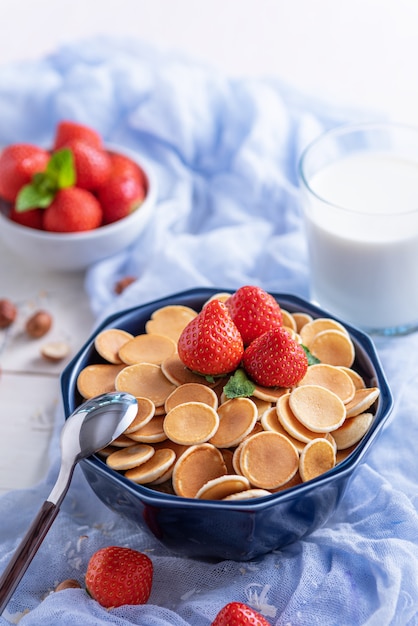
(76, 251)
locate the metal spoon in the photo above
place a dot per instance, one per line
(92, 426)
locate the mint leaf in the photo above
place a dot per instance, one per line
(40, 192)
(33, 197)
(60, 168)
(312, 360)
(239, 386)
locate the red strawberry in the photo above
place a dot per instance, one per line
(254, 311)
(92, 165)
(67, 131)
(18, 163)
(124, 166)
(32, 218)
(117, 576)
(239, 614)
(73, 210)
(275, 359)
(120, 196)
(211, 343)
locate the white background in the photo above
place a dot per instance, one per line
(353, 52)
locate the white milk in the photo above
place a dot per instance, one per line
(364, 248)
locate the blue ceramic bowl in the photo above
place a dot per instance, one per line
(240, 530)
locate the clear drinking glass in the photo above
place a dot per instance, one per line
(359, 187)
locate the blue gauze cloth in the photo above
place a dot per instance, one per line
(225, 154)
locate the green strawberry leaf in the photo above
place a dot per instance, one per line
(312, 360)
(40, 192)
(239, 386)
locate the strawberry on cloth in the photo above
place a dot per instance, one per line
(254, 311)
(117, 575)
(211, 343)
(239, 614)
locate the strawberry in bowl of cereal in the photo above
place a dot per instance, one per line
(254, 411)
(76, 203)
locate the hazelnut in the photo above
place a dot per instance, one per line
(123, 283)
(70, 583)
(55, 350)
(8, 313)
(38, 324)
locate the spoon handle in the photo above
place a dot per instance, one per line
(26, 551)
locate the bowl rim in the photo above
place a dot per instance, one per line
(363, 343)
(106, 229)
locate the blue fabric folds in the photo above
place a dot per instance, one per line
(225, 154)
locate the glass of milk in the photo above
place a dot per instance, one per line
(359, 187)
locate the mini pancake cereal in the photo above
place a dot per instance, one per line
(269, 394)
(268, 460)
(123, 441)
(309, 330)
(106, 451)
(195, 467)
(96, 379)
(363, 400)
(170, 320)
(317, 408)
(193, 438)
(152, 469)
(270, 421)
(262, 406)
(191, 423)
(247, 494)
(237, 418)
(191, 392)
(333, 347)
(228, 456)
(129, 457)
(108, 343)
(288, 320)
(290, 423)
(317, 458)
(352, 431)
(355, 377)
(222, 487)
(151, 432)
(164, 479)
(301, 319)
(144, 414)
(333, 378)
(146, 380)
(236, 458)
(147, 349)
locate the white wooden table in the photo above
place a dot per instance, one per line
(359, 53)
(29, 384)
